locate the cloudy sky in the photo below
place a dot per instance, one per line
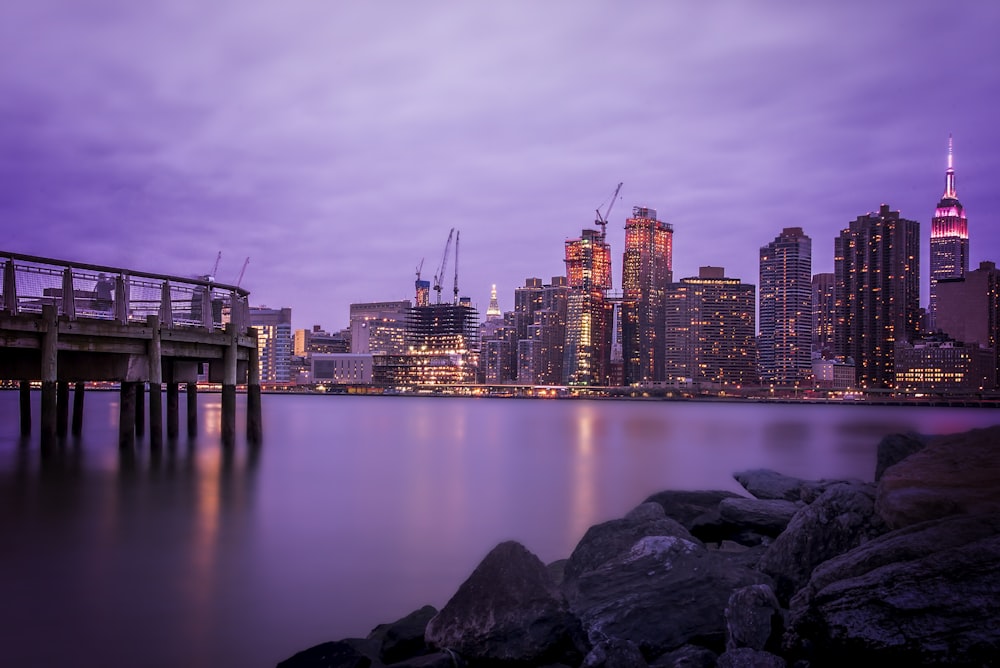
(336, 143)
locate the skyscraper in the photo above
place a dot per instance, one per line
(647, 270)
(877, 274)
(709, 331)
(824, 314)
(969, 309)
(949, 239)
(587, 354)
(785, 344)
(274, 342)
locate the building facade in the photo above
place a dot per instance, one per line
(442, 344)
(939, 364)
(877, 291)
(274, 342)
(949, 245)
(969, 308)
(824, 315)
(786, 311)
(647, 270)
(587, 350)
(379, 327)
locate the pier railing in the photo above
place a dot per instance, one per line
(79, 290)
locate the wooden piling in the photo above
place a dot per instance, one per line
(140, 409)
(50, 351)
(126, 416)
(229, 387)
(77, 427)
(173, 420)
(254, 425)
(62, 408)
(155, 384)
(25, 392)
(192, 409)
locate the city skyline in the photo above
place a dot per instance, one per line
(335, 147)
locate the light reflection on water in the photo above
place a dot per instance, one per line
(356, 510)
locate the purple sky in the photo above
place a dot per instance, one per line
(336, 143)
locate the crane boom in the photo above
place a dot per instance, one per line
(444, 264)
(215, 267)
(457, 235)
(242, 271)
(602, 221)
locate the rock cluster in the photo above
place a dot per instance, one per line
(903, 571)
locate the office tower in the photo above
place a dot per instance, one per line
(824, 314)
(498, 355)
(949, 240)
(379, 327)
(587, 352)
(877, 275)
(709, 332)
(274, 342)
(527, 300)
(443, 343)
(647, 269)
(969, 308)
(785, 343)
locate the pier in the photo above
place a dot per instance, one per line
(65, 324)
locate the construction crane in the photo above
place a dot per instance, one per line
(420, 268)
(602, 221)
(439, 276)
(457, 235)
(239, 279)
(211, 275)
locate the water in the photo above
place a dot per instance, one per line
(355, 511)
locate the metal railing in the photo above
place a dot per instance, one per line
(80, 290)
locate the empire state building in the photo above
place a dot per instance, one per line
(949, 239)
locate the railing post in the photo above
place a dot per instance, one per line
(206, 308)
(10, 287)
(68, 294)
(166, 307)
(50, 352)
(121, 299)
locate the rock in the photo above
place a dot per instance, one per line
(959, 473)
(665, 592)
(339, 654)
(840, 519)
(928, 594)
(508, 611)
(745, 657)
(895, 448)
(686, 507)
(768, 516)
(556, 571)
(608, 540)
(688, 656)
(754, 619)
(614, 653)
(404, 638)
(435, 660)
(767, 484)
(646, 512)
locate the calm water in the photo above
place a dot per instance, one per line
(355, 511)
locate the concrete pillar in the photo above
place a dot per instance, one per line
(173, 392)
(50, 353)
(140, 409)
(77, 427)
(25, 392)
(126, 415)
(254, 426)
(229, 387)
(155, 384)
(62, 408)
(192, 409)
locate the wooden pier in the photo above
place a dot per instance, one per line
(64, 324)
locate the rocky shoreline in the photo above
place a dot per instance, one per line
(901, 571)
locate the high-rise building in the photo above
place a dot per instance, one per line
(949, 240)
(969, 308)
(940, 364)
(709, 331)
(587, 352)
(443, 343)
(824, 314)
(379, 327)
(877, 275)
(647, 270)
(274, 342)
(785, 343)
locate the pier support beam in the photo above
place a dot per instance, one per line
(140, 409)
(62, 408)
(155, 384)
(229, 388)
(192, 409)
(173, 420)
(49, 352)
(126, 415)
(77, 427)
(25, 392)
(254, 426)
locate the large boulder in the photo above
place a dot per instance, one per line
(688, 656)
(664, 592)
(959, 473)
(404, 638)
(754, 619)
(767, 484)
(687, 507)
(338, 654)
(508, 612)
(894, 448)
(614, 653)
(744, 657)
(840, 519)
(766, 516)
(928, 594)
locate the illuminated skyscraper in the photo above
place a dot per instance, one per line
(877, 290)
(274, 342)
(824, 314)
(785, 344)
(949, 239)
(587, 353)
(647, 270)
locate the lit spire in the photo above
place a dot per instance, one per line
(494, 308)
(949, 175)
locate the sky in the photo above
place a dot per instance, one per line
(335, 144)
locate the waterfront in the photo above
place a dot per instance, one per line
(356, 510)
